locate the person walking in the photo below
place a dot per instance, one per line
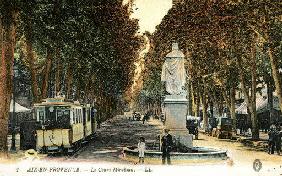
(99, 122)
(141, 149)
(167, 144)
(277, 137)
(145, 117)
(271, 140)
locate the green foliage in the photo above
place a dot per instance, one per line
(96, 40)
(214, 35)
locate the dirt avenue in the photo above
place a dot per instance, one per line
(115, 134)
(120, 132)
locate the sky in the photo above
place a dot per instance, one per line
(150, 13)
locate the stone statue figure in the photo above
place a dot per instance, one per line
(173, 72)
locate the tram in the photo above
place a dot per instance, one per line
(59, 125)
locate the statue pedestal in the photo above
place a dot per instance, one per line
(175, 110)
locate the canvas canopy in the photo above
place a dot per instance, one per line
(18, 107)
(261, 105)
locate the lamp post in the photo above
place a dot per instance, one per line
(13, 145)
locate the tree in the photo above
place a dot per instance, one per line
(85, 49)
(8, 14)
(221, 38)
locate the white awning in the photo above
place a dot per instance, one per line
(261, 105)
(192, 118)
(18, 107)
(242, 109)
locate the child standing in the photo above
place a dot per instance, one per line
(141, 149)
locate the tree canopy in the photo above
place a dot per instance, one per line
(223, 42)
(83, 49)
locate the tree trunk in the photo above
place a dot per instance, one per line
(276, 75)
(7, 44)
(193, 98)
(205, 114)
(232, 106)
(230, 102)
(86, 91)
(58, 72)
(77, 93)
(255, 128)
(215, 103)
(189, 97)
(226, 98)
(197, 113)
(46, 74)
(205, 107)
(69, 78)
(31, 61)
(220, 107)
(270, 102)
(211, 109)
(250, 100)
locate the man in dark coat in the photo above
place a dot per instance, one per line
(98, 122)
(277, 139)
(145, 117)
(167, 144)
(271, 139)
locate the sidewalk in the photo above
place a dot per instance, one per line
(259, 145)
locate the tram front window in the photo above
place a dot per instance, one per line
(58, 116)
(63, 117)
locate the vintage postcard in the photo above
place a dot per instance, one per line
(140, 87)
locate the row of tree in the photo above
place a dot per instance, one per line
(229, 45)
(83, 49)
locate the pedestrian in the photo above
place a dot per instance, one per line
(144, 117)
(133, 115)
(167, 144)
(99, 122)
(249, 132)
(271, 142)
(141, 149)
(265, 124)
(277, 139)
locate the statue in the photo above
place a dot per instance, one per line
(175, 101)
(173, 72)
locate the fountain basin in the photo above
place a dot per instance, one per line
(197, 154)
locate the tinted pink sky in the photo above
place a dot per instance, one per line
(150, 13)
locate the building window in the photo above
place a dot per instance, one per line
(88, 115)
(73, 116)
(41, 116)
(80, 116)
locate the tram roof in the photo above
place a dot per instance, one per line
(58, 101)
